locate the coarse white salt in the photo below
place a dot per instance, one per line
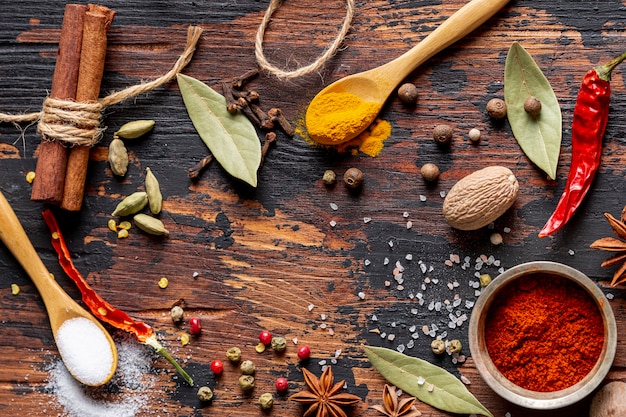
(195, 275)
(333, 223)
(367, 219)
(367, 262)
(442, 194)
(334, 206)
(408, 257)
(420, 380)
(405, 214)
(400, 348)
(465, 380)
(422, 197)
(409, 224)
(610, 296)
(85, 350)
(361, 295)
(386, 261)
(571, 252)
(311, 307)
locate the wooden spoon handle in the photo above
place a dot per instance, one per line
(457, 26)
(14, 237)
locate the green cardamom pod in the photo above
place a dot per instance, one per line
(135, 129)
(131, 204)
(118, 157)
(155, 198)
(150, 225)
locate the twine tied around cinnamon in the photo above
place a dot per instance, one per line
(73, 123)
(314, 66)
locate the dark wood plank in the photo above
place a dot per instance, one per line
(264, 255)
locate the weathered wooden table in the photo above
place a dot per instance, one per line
(245, 259)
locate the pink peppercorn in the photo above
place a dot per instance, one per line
(281, 384)
(217, 367)
(194, 325)
(304, 352)
(265, 337)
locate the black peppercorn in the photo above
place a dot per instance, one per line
(353, 178)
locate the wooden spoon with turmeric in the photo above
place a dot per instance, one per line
(345, 108)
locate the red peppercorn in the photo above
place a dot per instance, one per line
(282, 384)
(265, 337)
(194, 325)
(304, 352)
(217, 367)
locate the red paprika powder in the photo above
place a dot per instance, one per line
(544, 332)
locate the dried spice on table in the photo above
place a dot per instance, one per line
(395, 407)
(427, 382)
(323, 397)
(101, 308)
(617, 246)
(538, 136)
(591, 114)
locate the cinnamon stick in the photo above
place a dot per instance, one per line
(98, 19)
(52, 155)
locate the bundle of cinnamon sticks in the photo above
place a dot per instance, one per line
(61, 169)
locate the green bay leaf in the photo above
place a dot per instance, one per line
(448, 393)
(231, 138)
(540, 137)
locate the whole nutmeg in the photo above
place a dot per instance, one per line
(430, 172)
(407, 93)
(496, 108)
(353, 178)
(442, 134)
(609, 400)
(532, 106)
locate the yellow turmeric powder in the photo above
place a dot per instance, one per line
(370, 142)
(335, 118)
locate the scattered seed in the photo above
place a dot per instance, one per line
(15, 289)
(122, 234)
(496, 239)
(112, 225)
(163, 282)
(260, 348)
(30, 177)
(184, 339)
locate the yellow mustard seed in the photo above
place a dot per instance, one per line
(126, 225)
(260, 348)
(30, 177)
(112, 225)
(184, 339)
(15, 289)
(163, 282)
(122, 234)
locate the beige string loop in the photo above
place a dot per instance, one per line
(314, 66)
(74, 123)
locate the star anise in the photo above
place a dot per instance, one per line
(323, 396)
(392, 407)
(612, 244)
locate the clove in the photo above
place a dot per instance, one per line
(276, 116)
(195, 172)
(238, 82)
(264, 120)
(270, 139)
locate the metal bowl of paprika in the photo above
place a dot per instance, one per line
(543, 335)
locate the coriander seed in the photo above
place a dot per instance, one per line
(246, 382)
(205, 394)
(407, 93)
(233, 354)
(496, 108)
(329, 178)
(474, 135)
(438, 346)
(177, 314)
(353, 178)
(247, 367)
(455, 346)
(532, 106)
(430, 172)
(279, 343)
(266, 400)
(442, 134)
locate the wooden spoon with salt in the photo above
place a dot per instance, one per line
(87, 349)
(374, 86)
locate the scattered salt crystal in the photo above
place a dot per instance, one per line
(391, 337)
(507, 414)
(334, 206)
(571, 252)
(469, 304)
(422, 197)
(337, 353)
(400, 287)
(387, 283)
(450, 286)
(374, 317)
(414, 311)
(442, 194)
(322, 362)
(415, 335)
(448, 262)
(400, 348)
(405, 214)
(408, 257)
(435, 281)
(323, 326)
(383, 335)
(367, 219)
(610, 296)
(465, 380)
(295, 340)
(323, 316)
(390, 243)
(431, 387)
(409, 224)
(412, 328)
(367, 262)
(333, 223)
(420, 380)
(425, 329)
(410, 344)
(386, 261)
(311, 307)
(195, 275)
(507, 230)
(361, 295)
(423, 268)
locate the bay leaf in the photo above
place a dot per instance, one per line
(427, 382)
(539, 137)
(231, 138)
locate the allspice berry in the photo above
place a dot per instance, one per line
(496, 108)
(407, 93)
(532, 106)
(353, 178)
(430, 172)
(442, 134)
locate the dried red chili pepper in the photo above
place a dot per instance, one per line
(591, 114)
(98, 306)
